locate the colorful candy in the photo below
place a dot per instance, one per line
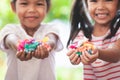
(30, 45)
(85, 46)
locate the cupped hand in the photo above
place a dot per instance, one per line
(23, 56)
(73, 57)
(87, 58)
(41, 52)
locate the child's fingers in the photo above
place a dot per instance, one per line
(33, 53)
(94, 56)
(87, 56)
(70, 52)
(18, 54)
(75, 59)
(41, 52)
(72, 56)
(28, 56)
(37, 53)
(78, 60)
(44, 52)
(84, 58)
(21, 55)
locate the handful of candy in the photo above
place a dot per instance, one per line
(85, 46)
(30, 45)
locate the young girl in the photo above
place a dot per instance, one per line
(104, 62)
(37, 64)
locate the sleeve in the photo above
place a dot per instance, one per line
(53, 28)
(3, 33)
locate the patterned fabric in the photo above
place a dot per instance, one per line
(101, 70)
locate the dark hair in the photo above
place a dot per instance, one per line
(47, 1)
(80, 21)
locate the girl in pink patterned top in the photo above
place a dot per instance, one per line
(104, 63)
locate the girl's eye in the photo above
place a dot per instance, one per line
(23, 3)
(96, 0)
(40, 4)
(93, 0)
(109, 0)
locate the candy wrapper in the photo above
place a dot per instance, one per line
(30, 45)
(82, 45)
(86, 46)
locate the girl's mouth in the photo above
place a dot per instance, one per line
(31, 18)
(101, 15)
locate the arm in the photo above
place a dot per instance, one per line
(52, 40)
(11, 41)
(110, 54)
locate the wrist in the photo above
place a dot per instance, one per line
(98, 52)
(11, 41)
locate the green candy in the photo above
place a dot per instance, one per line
(31, 47)
(79, 53)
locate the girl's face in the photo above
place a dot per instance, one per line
(102, 11)
(30, 12)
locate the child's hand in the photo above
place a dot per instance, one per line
(41, 52)
(87, 58)
(74, 58)
(23, 56)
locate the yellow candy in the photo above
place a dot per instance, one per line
(45, 39)
(89, 45)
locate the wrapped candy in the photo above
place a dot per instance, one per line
(30, 45)
(85, 46)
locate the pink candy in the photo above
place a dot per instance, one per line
(22, 43)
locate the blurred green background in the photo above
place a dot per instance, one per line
(60, 9)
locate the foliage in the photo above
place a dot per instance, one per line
(6, 14)
(60, 9)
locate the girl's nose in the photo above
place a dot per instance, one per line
(100, 6)
(31, 8)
